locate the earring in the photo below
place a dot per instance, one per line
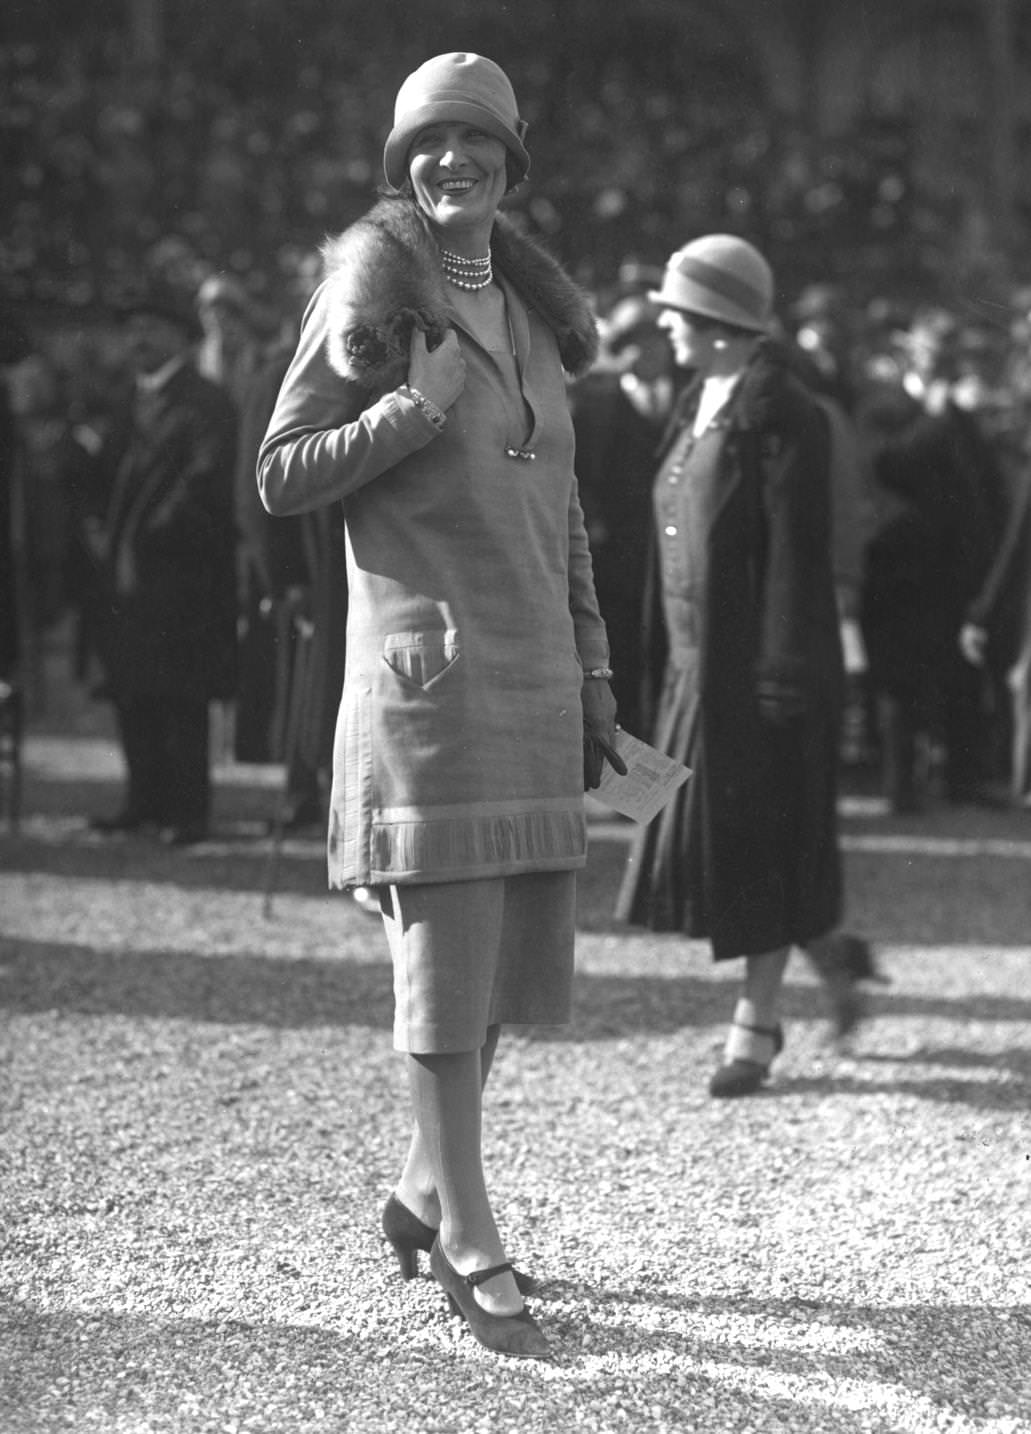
(719, 343)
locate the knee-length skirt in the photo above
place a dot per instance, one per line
(472, 954)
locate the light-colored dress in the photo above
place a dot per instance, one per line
(458, 757)
(472, 612)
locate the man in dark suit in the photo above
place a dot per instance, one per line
(620, 411)
(937, 500)
(166, 549)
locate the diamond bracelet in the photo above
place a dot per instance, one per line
(436, 415)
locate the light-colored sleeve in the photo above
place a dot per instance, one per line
(592, 643)
(324, 439)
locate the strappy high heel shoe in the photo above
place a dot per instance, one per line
(407, 1235)
(751, 1051)
(517, 1334)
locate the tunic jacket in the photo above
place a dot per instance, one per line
(472, 613)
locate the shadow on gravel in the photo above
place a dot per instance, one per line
(237, 989)
(974, 1357)
(891, 897)
(611, 1006)
(242, 988)
(944, 1090)
(236, 865)
(80, 1363)
(133, 1367)
(1016, 1059)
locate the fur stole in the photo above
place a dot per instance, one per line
(383, 278)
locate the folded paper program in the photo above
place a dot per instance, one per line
(650, 782)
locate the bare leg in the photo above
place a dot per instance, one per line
(764, 977)
(447, 1099)
(417, 1187)
(753, 1038)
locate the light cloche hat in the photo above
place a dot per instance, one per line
(720, 277)
(458, 86)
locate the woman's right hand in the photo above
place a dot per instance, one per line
(438, 374)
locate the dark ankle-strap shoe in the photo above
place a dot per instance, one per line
(518, 1335)
(407, 1235)
(752, 1050)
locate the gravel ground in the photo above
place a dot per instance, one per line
(202, 1116)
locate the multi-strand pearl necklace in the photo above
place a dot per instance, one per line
(465, 273)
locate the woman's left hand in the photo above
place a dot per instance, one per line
(599, 713)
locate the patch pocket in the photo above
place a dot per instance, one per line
(421, 658)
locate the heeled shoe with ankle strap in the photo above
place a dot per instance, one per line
(407, 1235)
(746, 1069)
(517, 1334)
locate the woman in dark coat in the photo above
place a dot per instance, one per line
(747, 854)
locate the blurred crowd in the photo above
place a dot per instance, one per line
(930, 416)
(930, 412)
(260, 139)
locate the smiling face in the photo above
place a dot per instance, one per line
(459, 175)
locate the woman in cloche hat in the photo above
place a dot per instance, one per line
(428, 395)
(747, 853)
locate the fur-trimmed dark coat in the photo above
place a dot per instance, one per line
(750, 687)
(472, 610)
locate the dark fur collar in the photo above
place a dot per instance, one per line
(768, 395)
(771, 393)
(383, 277)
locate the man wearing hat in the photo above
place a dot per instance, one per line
(165, 551)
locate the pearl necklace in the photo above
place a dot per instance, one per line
(471, 274)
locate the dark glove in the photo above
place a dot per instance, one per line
(596, 753)
(599, 713)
